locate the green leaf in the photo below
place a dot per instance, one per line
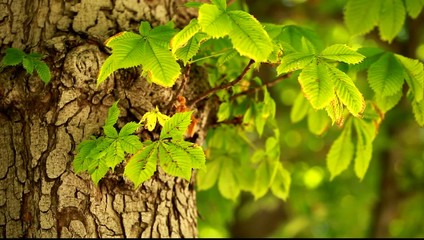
(13, 57)
(317, 121)
(249, 37)
(150, 50)
(224, 111)
(206, 179)
(142, 165)
(43, 71)
(190, 50)
(341, 152)
(176, 126)
(227, 183)
(113, 114)
(187, 33)
(194, 152)
(258, 156)
(221, 4)
(110, 131)
(300, 108)
(227, 56)
(418, 109)
(392, 17)
(294, 61)
(214, 21)
(102, 144)
(263, 175)
(98, 169)
(115, 154)
(385, 76)
(81, 160)
(28, 64)
(128, 129)
(342, 53)
(365, 133)
(414, 75)
(127, 51)
(294, 38)
(362, 15)
(280, 187)
(371, 56)
(335, 111)
(162, 35)
(347, 92)
(317, 85)
(174, 160)
(160, 64)
(130, 144)
(414, 7)
(387, 103)
(144, 28)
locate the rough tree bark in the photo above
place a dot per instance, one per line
(41, 125)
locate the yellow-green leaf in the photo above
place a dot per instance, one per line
(347, 92)
(317, 85)
(249, 37)
(342, 53)
(341, 152)
(214, 21)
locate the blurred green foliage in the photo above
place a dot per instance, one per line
(388, 202)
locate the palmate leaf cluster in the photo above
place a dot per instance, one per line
(30, 62)
(361, 16)
(174, 155)
(223, 40)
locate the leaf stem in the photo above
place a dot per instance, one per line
(210, 56)
(194, 101)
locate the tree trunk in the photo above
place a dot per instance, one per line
(41, 125)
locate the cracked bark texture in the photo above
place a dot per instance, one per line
(41, 125)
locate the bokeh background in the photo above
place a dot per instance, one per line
(388, 202)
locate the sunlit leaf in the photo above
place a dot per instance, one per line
(347, 92)
(176, 126)
(342, 53)
(142, 165)
(214, 21)
(249, 37)
(174, 160)
(341, 152)
(294, 61)
(414, 75)
(317, 85)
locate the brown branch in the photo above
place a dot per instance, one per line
(186, 77)
(258, 88)
(197, 99)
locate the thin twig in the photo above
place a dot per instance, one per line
(193, 102)
(186, 77)
(258, 88)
